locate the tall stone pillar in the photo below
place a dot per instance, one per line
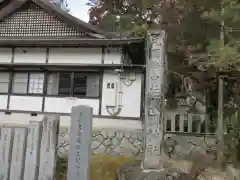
(154, 98)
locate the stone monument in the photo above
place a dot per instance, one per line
(32, 151)
(156, 75)
(49, 144)
(154, 99)
(18, 153)
(80, 143)
(6, 142)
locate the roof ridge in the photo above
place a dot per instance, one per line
(60, 13)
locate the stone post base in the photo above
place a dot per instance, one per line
(135, 172)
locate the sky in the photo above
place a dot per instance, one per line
(79, 9)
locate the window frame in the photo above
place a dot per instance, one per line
(28, 82)
(9, 82)
(46, 74)
(71, 94)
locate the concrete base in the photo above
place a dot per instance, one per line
(174, 169)
(232, 172)
(135, 172)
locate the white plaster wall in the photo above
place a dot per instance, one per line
(3, 101)
(131, 95)
(23, 119)
(30, 55)
(25, 103)
(64, 105)
(5, 55)
(113, 56)
(75, 55)
(61, 55)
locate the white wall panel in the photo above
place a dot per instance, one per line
(25, 103)
(113, 56)
(75, 55)
(3, 101)
(5, 55)
(65, 121)
(131, 95)
(64, 105)
(30, 55)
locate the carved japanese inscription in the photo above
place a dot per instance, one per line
(18, 153)
(154, 102)
(80, 143)
(6, 143)
(49, 147)
(32, 150)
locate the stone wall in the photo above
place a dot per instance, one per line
(184, 146)
(109, 141)
(130, 143)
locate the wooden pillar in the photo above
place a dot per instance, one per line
(220, 126)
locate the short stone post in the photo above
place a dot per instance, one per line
(6, 143)
(32, 151)
(49, 142)
(18, 153)
(79, 153)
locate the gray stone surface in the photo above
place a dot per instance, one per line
(130, 143)
(232, 172)
(49, 147)
(118, 142)
(185, 146)
(80, 143)
(6, 143)
(108, 141)
(18, 153)
(134, 172)
(154, 99)
(33, 150)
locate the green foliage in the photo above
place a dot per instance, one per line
(109, 23)
(231, 12)
(203, 33)
(232, 139)
(224, 52)
(223, 57)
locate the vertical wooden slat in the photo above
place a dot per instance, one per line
(190, 122)
(206, 121)
(173, 123)
(32, 150)
(6, 143)
(181, 123)
(199, 125)
(18, 153)
(220, 127)
(166, 121)
(49, 147)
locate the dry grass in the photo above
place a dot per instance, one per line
(103, 167)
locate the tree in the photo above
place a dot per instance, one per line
(188, 32)
(61, 3)
(224, 51)
(202, 34)
(223, 54)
